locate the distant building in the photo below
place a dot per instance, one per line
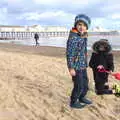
(34, 28)
(99, 29)
(102, 31)
(5, 28)
(55, 28)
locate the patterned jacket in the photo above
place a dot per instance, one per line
(76, 51)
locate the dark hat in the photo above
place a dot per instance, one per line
(84, 18)
(104, 43)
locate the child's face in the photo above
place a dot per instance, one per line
(101, 48)
(81, 27)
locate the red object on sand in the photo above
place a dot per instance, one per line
(116, 75)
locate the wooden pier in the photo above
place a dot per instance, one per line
(29, 35)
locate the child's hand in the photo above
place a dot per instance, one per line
(100, 67)
(72, 72)
(110, 72)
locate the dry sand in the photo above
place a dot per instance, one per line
(35, 85)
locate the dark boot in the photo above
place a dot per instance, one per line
(106, 86)
(99, 92)
(85, 100)
(108, 91)
(102, 92)
(76, 105)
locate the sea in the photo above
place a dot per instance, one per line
(61, 41)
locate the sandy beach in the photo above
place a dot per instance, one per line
(35, 85)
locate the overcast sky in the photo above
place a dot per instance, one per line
(104, 13)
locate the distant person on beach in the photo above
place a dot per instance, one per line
(36, 37)
(76, 54)
(101, 58)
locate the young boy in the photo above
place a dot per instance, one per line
(101, 58)
(76, 53)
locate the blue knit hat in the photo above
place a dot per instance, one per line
(84, 18)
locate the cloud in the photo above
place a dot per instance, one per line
(106, 23)
(58, 12)
(111, 7)
(61, 2)
(45, 15)
(72, 6)
(3, 15)
(98, 22)
(115, 16)
(49, 18)
(13, 1)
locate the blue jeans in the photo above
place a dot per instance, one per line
(80, 85)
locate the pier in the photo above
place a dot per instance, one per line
(29, 35)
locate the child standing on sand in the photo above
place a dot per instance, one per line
(101, 58)
(76, 54)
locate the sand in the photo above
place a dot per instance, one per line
(35, 85)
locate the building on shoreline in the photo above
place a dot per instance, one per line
(34, 28)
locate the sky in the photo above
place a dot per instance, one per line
(103, 13)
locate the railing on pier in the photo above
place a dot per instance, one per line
(29, 35)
